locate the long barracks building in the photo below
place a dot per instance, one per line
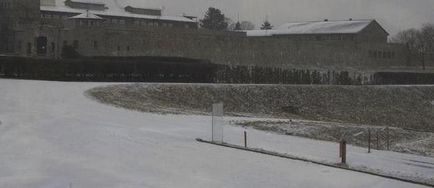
(112, 28)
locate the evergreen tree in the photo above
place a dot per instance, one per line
(214, 20)
(266, 25)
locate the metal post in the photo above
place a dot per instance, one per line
(369, 140)
(245, 139)
(378, 140)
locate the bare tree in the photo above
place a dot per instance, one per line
(419, 42)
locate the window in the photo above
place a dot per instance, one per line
(128, 48)
(53, 47)
(75, 44)
(29, 48)
(95, 44)
(19, 45)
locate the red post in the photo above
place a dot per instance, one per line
(245, 139)
(343, 151)
(369, 140)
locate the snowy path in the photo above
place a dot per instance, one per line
(51, 135)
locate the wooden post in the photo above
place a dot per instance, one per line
(387, 138)
(343, 151)
(245, 139)
(369, 140)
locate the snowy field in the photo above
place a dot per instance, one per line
(52, 135)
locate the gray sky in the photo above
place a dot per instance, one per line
(394, 15)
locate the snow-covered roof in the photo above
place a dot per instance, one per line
(86, 15)
(115, 8)
(318, 27)
(89, 1)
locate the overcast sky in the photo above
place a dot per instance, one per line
(394, 15)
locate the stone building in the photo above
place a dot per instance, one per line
(112, 28)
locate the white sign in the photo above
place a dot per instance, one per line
(217, 122)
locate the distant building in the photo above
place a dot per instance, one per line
(51, 20)
(45, 28)
(348, 30)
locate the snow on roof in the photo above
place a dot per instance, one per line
(86, 15)
(89, 1)
(323, 27)
(115, 8)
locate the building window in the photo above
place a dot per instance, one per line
(75, 44)
(95, 44)
(119, 48)
(29, 48)
(19, 45)
(128, 48)
(53, 47)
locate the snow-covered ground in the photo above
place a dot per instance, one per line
(51, 135)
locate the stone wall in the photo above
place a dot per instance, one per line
(230, 48)
(235, 48)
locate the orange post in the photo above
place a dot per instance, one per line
(369, 140)
(343, 151)
(245, 139)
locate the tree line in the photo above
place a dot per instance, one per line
(420, 42)
(185, 70)
(214, 19)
